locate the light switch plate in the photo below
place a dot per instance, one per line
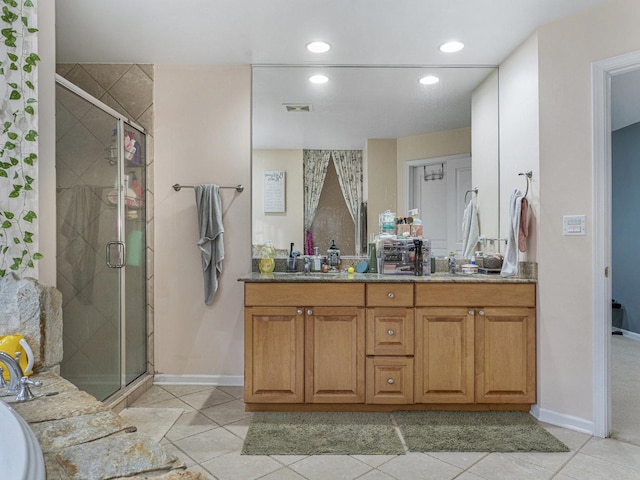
(574, 225)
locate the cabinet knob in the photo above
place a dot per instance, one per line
(391, 381)
(299, 311)
(481, 312)
(390, 332)
(470, 312)
(391, 295)
(309, 312)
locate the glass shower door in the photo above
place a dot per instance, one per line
(101, 261)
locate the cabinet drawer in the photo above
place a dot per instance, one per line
(389, 295)
(476, 295)
(390, 380)
(319, 294)
(390, 331)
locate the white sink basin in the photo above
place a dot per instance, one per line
(19, 449)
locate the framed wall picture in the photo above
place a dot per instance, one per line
(274, 188)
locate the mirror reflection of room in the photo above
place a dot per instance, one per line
(400, 126)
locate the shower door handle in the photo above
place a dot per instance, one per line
(121, 254)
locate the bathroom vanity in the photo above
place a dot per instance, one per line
(384, 342)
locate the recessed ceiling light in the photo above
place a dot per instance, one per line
(451, 47)
(429, 80)
(318, 47)
(319, 79)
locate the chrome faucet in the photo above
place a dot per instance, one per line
(15, 373)
(18, 383)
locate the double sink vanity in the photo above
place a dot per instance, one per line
(371, 342)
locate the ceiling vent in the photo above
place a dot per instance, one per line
(297, 107)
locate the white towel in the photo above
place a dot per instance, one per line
(209, 208)
(470, 229)
(510, 262)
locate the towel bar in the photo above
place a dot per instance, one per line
(238, 188)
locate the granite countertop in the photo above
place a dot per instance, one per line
(82, 439)
(284, 277)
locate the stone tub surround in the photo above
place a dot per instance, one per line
(34, 311)
(82, 439)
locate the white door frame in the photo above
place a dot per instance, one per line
(602, 71)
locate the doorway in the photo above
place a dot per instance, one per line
(602, 74)
(436, 188)
(101, 242)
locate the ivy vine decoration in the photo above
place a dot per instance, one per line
(18, 135)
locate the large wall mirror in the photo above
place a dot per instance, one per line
(404, 130)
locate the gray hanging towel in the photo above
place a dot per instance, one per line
(209, 209)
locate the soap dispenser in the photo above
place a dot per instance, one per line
(333, 256)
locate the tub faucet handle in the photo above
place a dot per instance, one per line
(3, 382)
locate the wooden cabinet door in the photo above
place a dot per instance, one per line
(334, 355)
(506, 355)
(273, 355)
(444, 358)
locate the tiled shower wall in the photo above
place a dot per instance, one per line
(128, 89)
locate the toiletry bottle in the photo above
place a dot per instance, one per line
(333, 255)
(267, 257)
(417, 260)
(317, 260)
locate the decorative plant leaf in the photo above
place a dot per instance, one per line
(32, 30)
(3, 174)
(27, 237)
(31, 100)
(30, 216)
(28, 179)
(16, 240)
(13, 85)
(12, 135)
(27, 68)
(3, 273)
(29, 109)
(29, 84)
(7, 126)
(13, 66)
(14, 161)
(6, 224)
(31, 136)
(15, 95)
(9, 146)
(9, 215)
(28, 3)
(37, 256)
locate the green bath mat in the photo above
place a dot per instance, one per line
(444, 431)
(316, 433)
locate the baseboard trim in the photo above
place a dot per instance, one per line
(213, 380)
(628, 333)
(562, 420)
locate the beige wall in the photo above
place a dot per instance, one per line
(430, 145)
(380, 180)
(280, 228)
(485, 153)
(566, 51)
(202, 135)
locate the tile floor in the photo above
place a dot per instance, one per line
(208, 437)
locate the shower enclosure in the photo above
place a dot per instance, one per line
(101, 242)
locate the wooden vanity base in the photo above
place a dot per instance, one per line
(355, 407)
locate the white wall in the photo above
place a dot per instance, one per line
(280, 228)
(202, 135)
(381, 180)
(519, 136)
(485, 153)
(567, 50)
(46, 142)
